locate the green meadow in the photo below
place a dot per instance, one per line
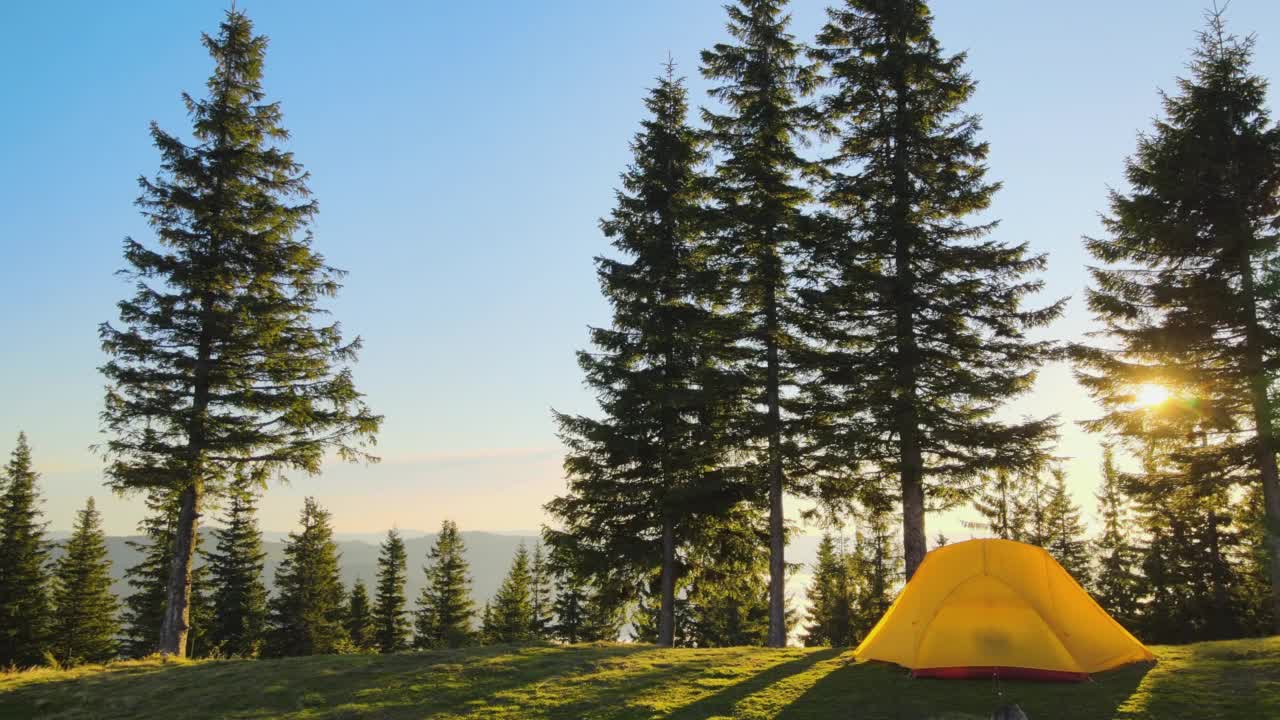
(1207, 681)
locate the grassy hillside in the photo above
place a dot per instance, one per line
(1208, 681)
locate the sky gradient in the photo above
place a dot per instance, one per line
(462, 154)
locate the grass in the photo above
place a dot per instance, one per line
(1208, 681)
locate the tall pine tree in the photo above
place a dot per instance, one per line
(921, 313)
(237, 593)
(1032, 510)
(1187, 291)
(583, 612)
(1191, 558)
(1115, 581)
(308, 612)
(570, 609)
(1254, 566)
(645, 616)
(830, 597)
(24, 551)
(1067, 542)
(540, 598)
(485, 636)
(728, 594)
(877, 570)
(84, 624)
(445, 608)
(759, 223)
(359, 623)
(641, 476)
(390, 617)
(219, 362)
(853, 586)
(998, 503)
(602, 617)
(511, 611)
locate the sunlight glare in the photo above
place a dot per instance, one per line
(1150, 394)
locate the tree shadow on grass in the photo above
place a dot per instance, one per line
(628, 683)
(317, 687)
(725, 702)
(604, 682)
(879, 691)
(562, 683)
(1222, 680)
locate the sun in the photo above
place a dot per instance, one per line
(1151, 394)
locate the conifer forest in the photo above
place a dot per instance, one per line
(812, 322)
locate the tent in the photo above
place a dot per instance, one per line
(984, 608)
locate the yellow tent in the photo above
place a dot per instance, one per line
(997, 607)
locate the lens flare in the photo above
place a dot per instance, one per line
(1150, 394)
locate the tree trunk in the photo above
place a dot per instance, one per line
(910, 459)
(913, 532)
(176, 622)
(777, 541)
(1264, 442)
(177, 611)
(777, 559)
(667, 610)
(1271, 503)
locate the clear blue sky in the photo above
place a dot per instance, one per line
(462, 153)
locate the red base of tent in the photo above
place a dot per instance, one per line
(1004, 673)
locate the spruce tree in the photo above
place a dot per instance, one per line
(1032, 511)
(359, 623)
(602, 617)
(1115, 582)
(585, 612)
(1254, 578)
(540, 579)
(759, 223)
(830, 598)
(1192, 556)
(512, 607)
(84, 625)
(390, 618)
(485, 636)
(24, 552)
(728, 592)
(1067, 542)
(445, 608)
(998, 503)
(731, 611)
(1187, 289)
(200, 613)
(220, 362)
(570, 609)
(641, 474)
(307, 612)
(237, 593)
(918, 315)
(877, 570)
(645, 617)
